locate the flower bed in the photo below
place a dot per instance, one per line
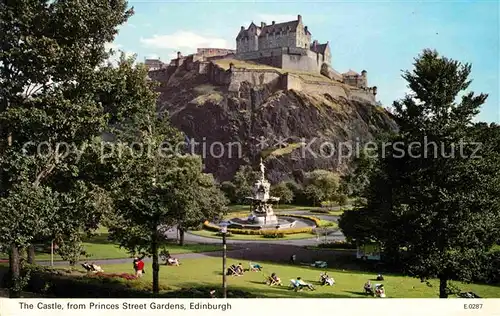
(286, 231)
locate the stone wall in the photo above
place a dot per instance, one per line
(211, 52)
(278, 40)
(362, 95)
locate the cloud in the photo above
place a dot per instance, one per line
(278, 18)
(184, 41)
(132, 25)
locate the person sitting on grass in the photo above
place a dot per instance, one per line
(368, 288)
(325, 279)
(380, 291)
(274, 280)
(96, 268)
(239, 269)
(173, 261)
(380, 277)
(303, 284)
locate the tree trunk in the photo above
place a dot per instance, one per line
(15, 272)
(156, 265)
(31, 254)
(443, 283)
(181, 237)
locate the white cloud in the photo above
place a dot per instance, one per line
(184, 41)
(131, 25)
(152, 56)
(278, 18)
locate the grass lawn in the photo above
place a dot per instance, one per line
(206, 272)
(99, 247)
(210, 234)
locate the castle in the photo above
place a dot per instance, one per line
(288, 46)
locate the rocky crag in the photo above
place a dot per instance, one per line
(293, 129)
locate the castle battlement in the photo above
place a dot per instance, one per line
(287, 46)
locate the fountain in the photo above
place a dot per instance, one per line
(262, 214)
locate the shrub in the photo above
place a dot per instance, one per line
(337, 245)
(273, 235)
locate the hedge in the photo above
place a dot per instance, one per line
(337, 245)
(61, 284)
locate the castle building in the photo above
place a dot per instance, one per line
(284, 45)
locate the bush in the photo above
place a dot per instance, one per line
(273, 235)
(337, 245)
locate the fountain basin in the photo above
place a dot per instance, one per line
(284, 222)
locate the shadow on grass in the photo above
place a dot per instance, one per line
(362, 294)
(269, 292)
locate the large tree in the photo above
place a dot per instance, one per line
(433, 197)
(50, 108)
(157, 191)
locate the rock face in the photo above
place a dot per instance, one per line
(293, 129)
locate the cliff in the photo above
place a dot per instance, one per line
(301, 130)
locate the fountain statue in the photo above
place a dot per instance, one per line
(261, 201)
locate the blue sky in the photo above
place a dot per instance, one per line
(382, 37)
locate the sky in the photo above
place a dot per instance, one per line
(381, 37)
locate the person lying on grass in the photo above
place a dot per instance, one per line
(173, 261)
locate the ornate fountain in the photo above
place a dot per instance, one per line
(262, 202)
(261, 206)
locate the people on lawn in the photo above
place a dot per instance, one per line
(303, 284)
(274, 280)
(96, 268)
(368, 288)
(379, 290)
(380, 277)
(325, 279)
(139, 266)
(234, 270)
(173, 261)
(239, 269)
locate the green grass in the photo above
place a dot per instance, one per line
(210, 234)
(99, 247)
(206, 272)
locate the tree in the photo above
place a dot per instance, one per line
(155, 186)
(243, 181)
(321, 185)
(282, 191)
(229, 190)
(163, 192)
(50, 53)
(435, 204)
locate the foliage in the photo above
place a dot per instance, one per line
(229, 190)
(283, 192)
(321, 185)
(435, 208)
(337, 245)
(243, 181)
(70, 248)
(53, 104)
(273, 235)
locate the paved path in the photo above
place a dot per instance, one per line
(257, 250)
